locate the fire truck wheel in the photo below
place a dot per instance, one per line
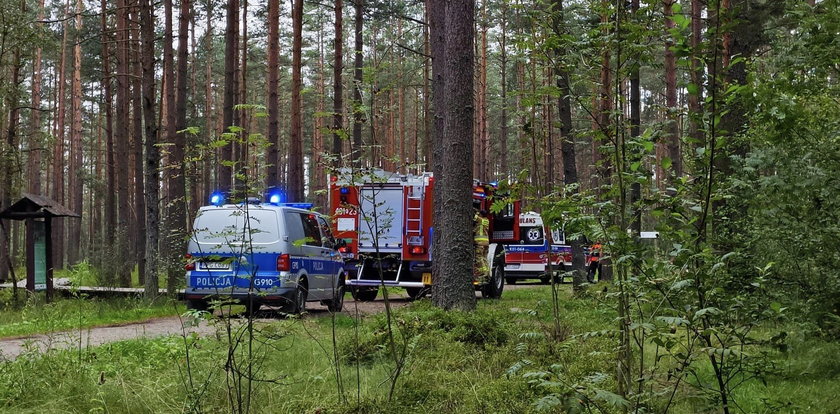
(364, 294)
(415, 293)
(494, 287)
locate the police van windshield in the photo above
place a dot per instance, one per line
(226, 226)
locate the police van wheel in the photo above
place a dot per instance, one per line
(337, 302)
(197, 304)
(494, 287)
(299, 305)
(364, 294)
(252, 307)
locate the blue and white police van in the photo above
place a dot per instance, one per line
(263, 253)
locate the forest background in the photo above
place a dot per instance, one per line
(712, 122)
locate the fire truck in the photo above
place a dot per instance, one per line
(386, 221)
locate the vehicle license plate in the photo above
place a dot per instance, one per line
(215, 265)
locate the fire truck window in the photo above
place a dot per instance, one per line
(311, 230)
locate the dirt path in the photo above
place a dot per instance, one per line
(95, 336)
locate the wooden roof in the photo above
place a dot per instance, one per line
(36, 206)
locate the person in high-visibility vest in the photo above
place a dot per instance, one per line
(481, 241)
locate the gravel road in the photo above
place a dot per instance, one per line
(11, 348)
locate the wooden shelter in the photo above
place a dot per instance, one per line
(38, 212)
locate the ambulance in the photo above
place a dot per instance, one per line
(528, 258)
(263, 253)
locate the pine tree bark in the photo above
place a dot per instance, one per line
(152, 158)
(36, 140)
(137, 144)
(122, 142)
(672, 136)
(503, 62)
(453, 289)
(273, 104)
(635, 127)
(295, 177)
(58, 151)
(338, 87)
(436, 9)
(225, 172)
(177, 114)
(358, 63)
(110, 188)
(567, 136)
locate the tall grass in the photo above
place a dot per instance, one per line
(479, 362)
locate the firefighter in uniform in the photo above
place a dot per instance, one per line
(481, 241)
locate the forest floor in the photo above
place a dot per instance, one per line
(10, 348)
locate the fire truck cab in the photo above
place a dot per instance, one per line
(385, 219)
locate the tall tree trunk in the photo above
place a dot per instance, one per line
(152, 159)
(76, 171)
(436, 9)
(225, 172)
(137, 143)
(295, 177)
(338, 88)
(241, 148)
(695, 97)
(672, 136)
(176, 211)
(358, 62)
(453, 289)
(273, 104)
(635, 125)
(567, 136)
(317, 178)
(503, 59)
(58, 152)
(122, 143)
(211, 129)
(427, 113)
(36, 140)
(111, 185)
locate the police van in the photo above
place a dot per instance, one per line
(263, 253)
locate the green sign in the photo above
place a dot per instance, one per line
(40, 236)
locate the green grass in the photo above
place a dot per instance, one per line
(479, 362)
(73, 313)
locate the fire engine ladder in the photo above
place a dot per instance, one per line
(414, 215)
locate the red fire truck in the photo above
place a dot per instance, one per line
(385, 219)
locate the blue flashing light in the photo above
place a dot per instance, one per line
(344, 190)
(217, 198)
(305, 206)
(275, 195)
(494, 183)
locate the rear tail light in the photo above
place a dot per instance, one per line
(190, 262)
(418, 250)
(344, 249)
(284, 263)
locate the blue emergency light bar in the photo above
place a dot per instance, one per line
(305, 206)
(275, 195)
(217, 198)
